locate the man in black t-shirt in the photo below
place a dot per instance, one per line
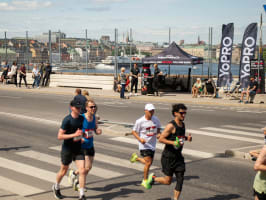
(71, 133)
(172, 159)
(251, 90)
(134, 78)
(155, 83)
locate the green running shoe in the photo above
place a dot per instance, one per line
(133, 157)
(146, 184)
(150, 180)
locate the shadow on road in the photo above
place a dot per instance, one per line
(115, 185)
(14, 148)
(124, 192)
(222, 197)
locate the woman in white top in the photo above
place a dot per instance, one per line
(13, 72)
(196, 87)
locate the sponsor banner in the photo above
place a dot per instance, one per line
(224, 66)
(247, 53)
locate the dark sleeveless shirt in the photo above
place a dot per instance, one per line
(170, 150)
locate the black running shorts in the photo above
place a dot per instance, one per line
(259, 195)
(147, 153)
(89, 152)
(68, 155)
(171, 165)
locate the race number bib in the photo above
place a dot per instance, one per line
(88, 133)
(151, 131)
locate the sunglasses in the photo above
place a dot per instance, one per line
(92, 107)
(183, 113)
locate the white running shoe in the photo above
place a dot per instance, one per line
(71, 177)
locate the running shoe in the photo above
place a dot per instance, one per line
(57, 193)
(145, 184)
(150, 179)
(82, 197)
(76, 185)
(71, 177)
(133, 157)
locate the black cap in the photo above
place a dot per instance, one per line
(76, 103)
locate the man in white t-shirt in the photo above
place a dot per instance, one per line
(146, 130)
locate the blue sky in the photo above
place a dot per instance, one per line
(149, 19)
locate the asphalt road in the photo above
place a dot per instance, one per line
(29, 125)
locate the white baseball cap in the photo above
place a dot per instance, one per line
(149, 107)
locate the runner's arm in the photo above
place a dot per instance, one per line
(138, 138)
(62, 136)
(260, 163)
(167, 131)
(97, 130)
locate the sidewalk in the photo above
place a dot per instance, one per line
(165, 97)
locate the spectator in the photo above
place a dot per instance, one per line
(123, 80)
(155, 83)
(13, 73)
(5, 71)
(46, 78)
(42, 66)
(251, 90)
(36, 76)
(79, 97)
(22, 75)
(196, 88)
(134, 78)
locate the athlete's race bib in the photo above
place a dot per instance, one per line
(88, 133)
(151, 131)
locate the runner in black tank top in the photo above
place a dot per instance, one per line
(172, 159)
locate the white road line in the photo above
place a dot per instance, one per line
(30, 171)
(96, 171)
(247, 128)
(260, 125)
(10, 97)
(225, 136)
(202, 109)
(17, 187)
(161, 147)
(232, 131)
(41, 120)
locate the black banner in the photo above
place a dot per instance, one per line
(247, 53)
(224, 67)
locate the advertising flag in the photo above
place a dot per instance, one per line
(264, 7)
(247, 53)
(224, 66)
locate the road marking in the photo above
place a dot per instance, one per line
(30, 171)
(161, 147)
(261, 125)
(40, 120)
(202, 109)
(247, 128)
(226, 136)
(232, 131)
(10, 97)
(95, 171)
(17, 187)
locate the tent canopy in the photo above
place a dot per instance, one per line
(173, 55)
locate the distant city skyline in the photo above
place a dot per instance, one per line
(150, 20)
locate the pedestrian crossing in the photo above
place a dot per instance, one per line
(111, 159)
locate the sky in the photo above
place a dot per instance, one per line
(149, 20)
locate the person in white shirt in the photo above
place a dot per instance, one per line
(36, 75)
(146, 130)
